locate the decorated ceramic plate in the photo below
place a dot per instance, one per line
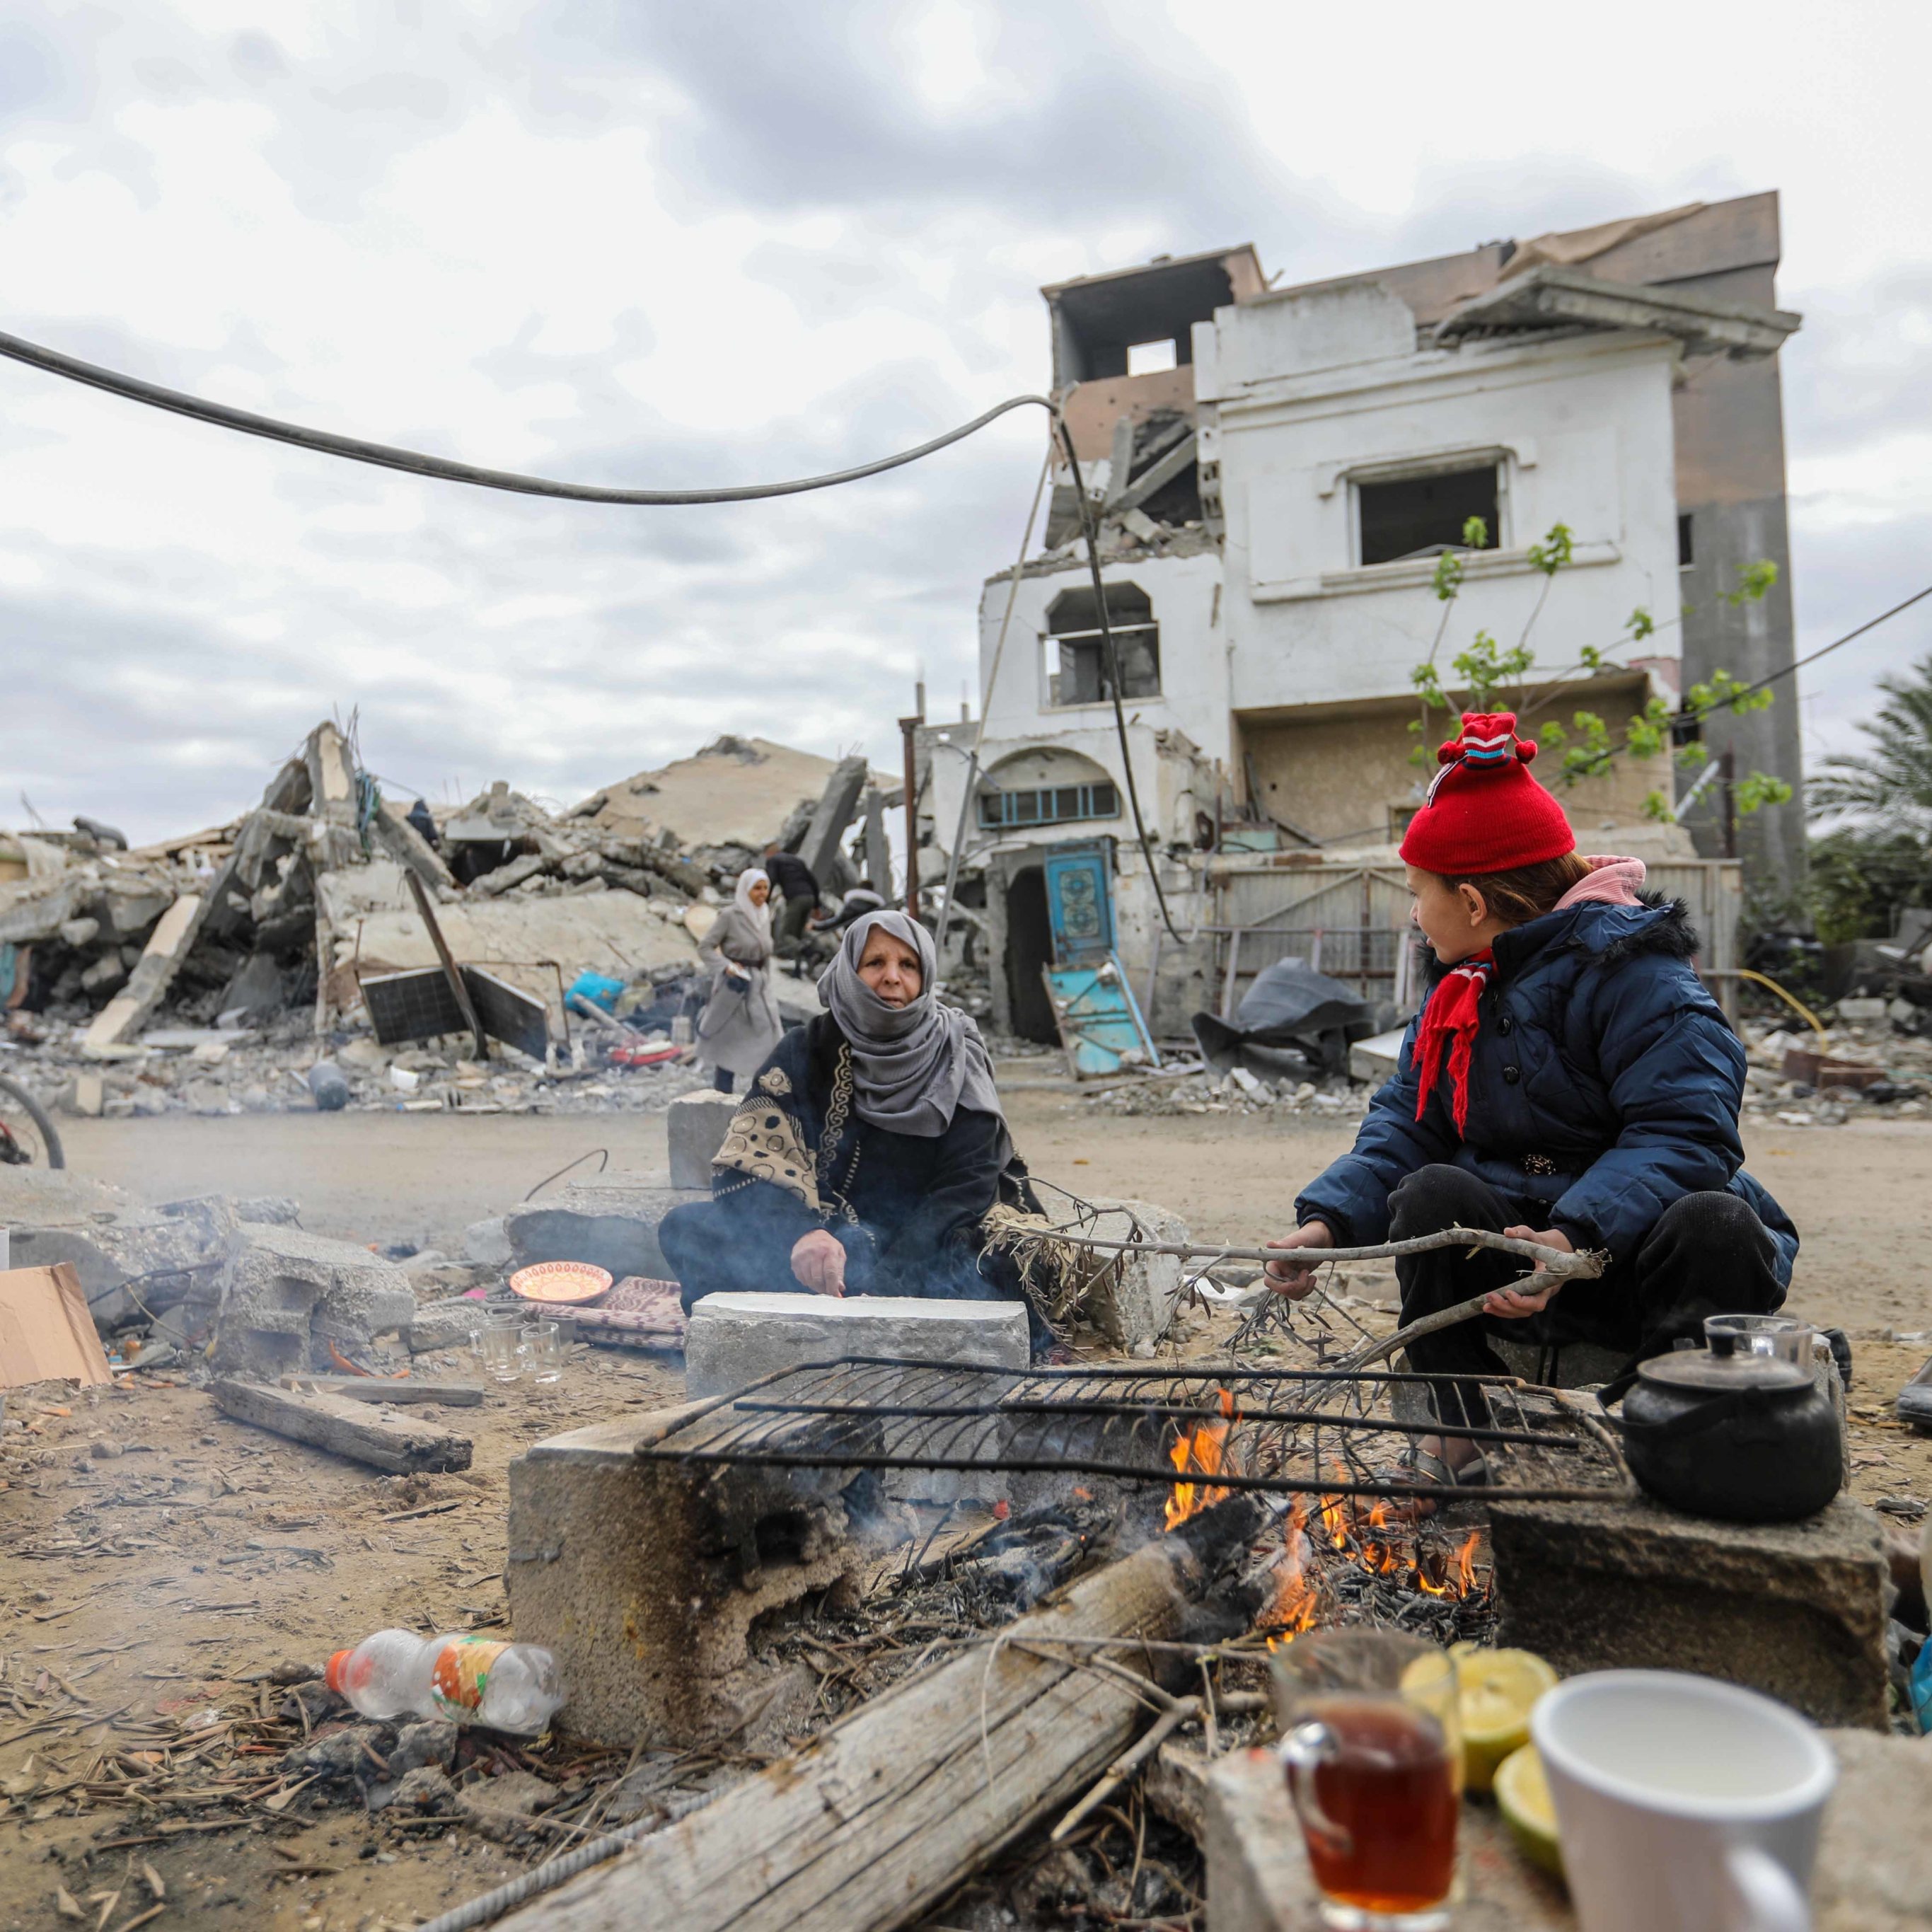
(561, 1284)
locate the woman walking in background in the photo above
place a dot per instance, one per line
(739, 1025)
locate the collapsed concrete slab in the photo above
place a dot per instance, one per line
(290, 1295)
(645, 1578)
(1796, 1609)
(695, 1125)
(610, 1223)
(132, 1259)
(735, 1340)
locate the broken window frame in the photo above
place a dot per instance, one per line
(1132, 634)
(1442, 463)
(1001, 810)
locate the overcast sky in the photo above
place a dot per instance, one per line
(665, 245)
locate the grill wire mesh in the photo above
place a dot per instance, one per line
(1220, 1425)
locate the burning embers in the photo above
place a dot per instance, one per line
(1339, 1559)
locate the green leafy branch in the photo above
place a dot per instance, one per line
(1586, 744)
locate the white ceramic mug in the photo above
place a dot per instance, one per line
(1684, 1804)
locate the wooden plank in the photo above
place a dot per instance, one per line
(344, 1428)
(388, 1388)
(877, 1821)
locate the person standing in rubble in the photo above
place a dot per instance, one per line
(871, 1156)
(797, 884)
(1570, 1081)
(739, 1025)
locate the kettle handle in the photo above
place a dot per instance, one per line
(1771, 1897)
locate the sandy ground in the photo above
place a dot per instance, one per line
(131, 1578)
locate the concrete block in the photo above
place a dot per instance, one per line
(1134, 1302)
(1375, 1059)
(645, 1577)
(612, 1224)
(87, 1097)
(733, 1340)
(696, 1125)
(486, 1244)
(1795, 1609)
(289, 1294)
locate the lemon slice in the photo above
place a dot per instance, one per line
(1496, 1690)
(1522, 1796)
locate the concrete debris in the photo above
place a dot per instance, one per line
(293, 1301)
(254, 938)
(610, 1223)
(1898, 1042)
(695, 1125)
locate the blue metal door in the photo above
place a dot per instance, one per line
(1080, 900)
(1102, 1029)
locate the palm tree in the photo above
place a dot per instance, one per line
(1889, 787)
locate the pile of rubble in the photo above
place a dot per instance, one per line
(1866, 1063)
(431, 960)
(1202, 1090)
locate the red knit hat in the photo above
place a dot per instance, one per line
(1484, 812)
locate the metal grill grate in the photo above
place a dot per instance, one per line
(1288, 1431)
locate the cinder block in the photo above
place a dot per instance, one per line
(645, 1577)
(1795, 1610)
(290, 1293)
(733, 1340)
(696, 1125)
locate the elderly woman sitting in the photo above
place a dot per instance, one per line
(870, 1151)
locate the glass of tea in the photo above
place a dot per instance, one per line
(1374, 1761)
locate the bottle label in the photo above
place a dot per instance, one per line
(462, 1674)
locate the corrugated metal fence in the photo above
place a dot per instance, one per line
(1349, 920)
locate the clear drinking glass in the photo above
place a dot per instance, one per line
(501, 1344)
(543, 1351)
(1777, 1338)
(1373, 1754)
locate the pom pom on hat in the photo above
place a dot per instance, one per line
(1484, 812)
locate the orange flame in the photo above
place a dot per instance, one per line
(1368, 1540)
(1198, 1452)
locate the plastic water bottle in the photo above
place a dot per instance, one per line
(471, 1679)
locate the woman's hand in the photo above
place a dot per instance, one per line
(818, 1262)
(1294, 1275)
(1514, 1302)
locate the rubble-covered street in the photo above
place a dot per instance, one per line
(169, 1562)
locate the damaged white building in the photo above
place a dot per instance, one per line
(1277, 472)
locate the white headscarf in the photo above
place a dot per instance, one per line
(760, 916)
(913, 1067)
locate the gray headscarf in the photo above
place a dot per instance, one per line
(913, 1065)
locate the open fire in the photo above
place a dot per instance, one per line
(1337, 1535)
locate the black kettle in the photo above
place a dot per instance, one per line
(1741, 1437)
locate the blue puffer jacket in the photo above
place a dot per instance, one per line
(1601, 1054)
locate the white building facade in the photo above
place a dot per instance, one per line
(1334, 450)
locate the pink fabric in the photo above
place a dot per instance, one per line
(1612, 882)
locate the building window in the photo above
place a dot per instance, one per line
(1077, 671)
(1686, 556)
(1048, 805)
(1419, 516)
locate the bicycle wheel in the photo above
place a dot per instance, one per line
(27, 1135)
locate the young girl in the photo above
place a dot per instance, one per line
(1569, 1081)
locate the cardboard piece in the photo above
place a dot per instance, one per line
(46, 1332)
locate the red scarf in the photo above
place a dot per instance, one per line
(1449, 1024)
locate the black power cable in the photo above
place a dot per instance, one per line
(385, 456)
(415, 462)
(1114, 673)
